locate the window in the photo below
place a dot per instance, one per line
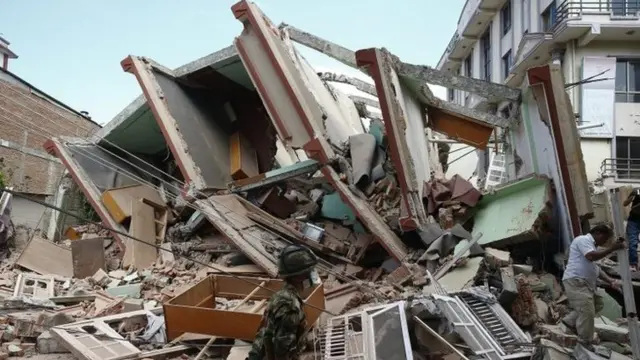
(450, 94)
(485, 54)
(628, 81)
(506, 65)
(467, 66)
(497, 170)
(468, 73)
(549, 17)
(624, 7)
(505, 17)
(627, 161)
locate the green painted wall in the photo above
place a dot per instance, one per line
(510, 210)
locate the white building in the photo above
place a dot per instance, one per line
(499, 40)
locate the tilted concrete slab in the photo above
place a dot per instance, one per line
(147, 76)
(510, 213)
(404, 124)
(299, 108)
(59, 147)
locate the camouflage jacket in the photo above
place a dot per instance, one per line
(282, 328)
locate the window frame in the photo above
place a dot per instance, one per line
(627, 94)
(506, 18)
(468, 69)
(549, 17)
(485, 54)
(507, 63)
(624, 167)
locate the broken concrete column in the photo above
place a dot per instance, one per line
(509, 287)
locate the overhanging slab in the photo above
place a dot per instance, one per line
(491, 91)
(157, 101)
(60, 149)
(291, 105)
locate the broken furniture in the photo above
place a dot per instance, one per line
(119, 201)
(88, 257)
(197, 310)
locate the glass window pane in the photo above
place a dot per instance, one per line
(634, 98)
(620, 163)
(634, 155)
(622, 147)
(634, 76)
(621, 97)
(388, 335)
(621, 76)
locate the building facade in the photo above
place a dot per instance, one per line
(28, 117)
(597, 42)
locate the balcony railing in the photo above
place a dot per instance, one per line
(622, 169)
(618, 8)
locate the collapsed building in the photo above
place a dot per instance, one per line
(249, 149)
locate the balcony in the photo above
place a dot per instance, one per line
(474, 19)
(587, 20)
(621, 169)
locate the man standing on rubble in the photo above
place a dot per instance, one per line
(580, 279)
(283, 323)
(633, 227)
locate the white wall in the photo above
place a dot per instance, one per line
(594, 151)
(466, 165)
(28, 213)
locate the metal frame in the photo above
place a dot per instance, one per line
(468, 327)
(403, 324)
(339, 332)
(625, 275)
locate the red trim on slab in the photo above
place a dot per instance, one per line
(542, 75)
(54, 148)
(368, 58)
(262, 89)
(128, 65)
(242, 9)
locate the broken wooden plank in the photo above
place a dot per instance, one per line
(119, 201)
(87, 256)
(46, 258)
(141, 252)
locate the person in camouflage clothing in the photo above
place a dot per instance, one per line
(284, 323)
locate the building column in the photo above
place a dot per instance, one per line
(557, 56)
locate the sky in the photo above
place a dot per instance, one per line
(71, 49)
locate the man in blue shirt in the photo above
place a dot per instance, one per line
(580, 279)
(633, 227)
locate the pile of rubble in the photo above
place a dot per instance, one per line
(52, 307)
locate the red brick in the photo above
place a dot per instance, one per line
(29, 120)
